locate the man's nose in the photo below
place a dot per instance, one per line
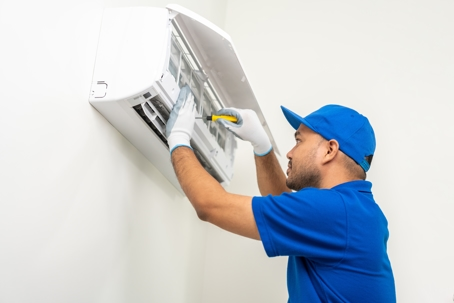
(289, 154)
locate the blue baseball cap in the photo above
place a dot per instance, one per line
(349, 128)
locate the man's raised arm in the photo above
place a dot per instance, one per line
(270, 176)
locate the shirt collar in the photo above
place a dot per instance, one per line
(359, 185)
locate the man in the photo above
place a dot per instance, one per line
(331, 228)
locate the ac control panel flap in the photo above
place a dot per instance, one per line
(144, 57)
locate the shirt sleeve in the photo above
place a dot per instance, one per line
(310, 223)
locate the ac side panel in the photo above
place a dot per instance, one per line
(131, 51)
(131, 56)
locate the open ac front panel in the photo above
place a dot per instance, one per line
(144, 57)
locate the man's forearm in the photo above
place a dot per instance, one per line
(270, 176)
(211, 202)
(196, 183)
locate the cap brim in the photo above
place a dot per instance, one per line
(294, 119)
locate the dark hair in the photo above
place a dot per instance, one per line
(369, 159)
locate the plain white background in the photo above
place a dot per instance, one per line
(84, 217)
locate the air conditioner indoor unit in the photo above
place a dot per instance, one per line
(144, 56)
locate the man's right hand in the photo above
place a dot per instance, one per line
(248, 128)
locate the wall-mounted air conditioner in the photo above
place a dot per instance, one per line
(144, 56)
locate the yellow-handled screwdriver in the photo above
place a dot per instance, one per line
(215, 117)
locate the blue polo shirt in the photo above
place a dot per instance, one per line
(336, 242)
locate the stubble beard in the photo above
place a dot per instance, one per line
(308, 176)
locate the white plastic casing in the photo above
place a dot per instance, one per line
(138, 73)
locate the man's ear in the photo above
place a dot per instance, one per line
(332, 149)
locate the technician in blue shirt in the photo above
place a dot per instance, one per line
(330, 226)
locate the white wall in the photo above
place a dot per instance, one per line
(84, 217)
(392, 61)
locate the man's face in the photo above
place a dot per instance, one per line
(303, 170)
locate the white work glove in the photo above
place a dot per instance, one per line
(180, 125)
(247, 128)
